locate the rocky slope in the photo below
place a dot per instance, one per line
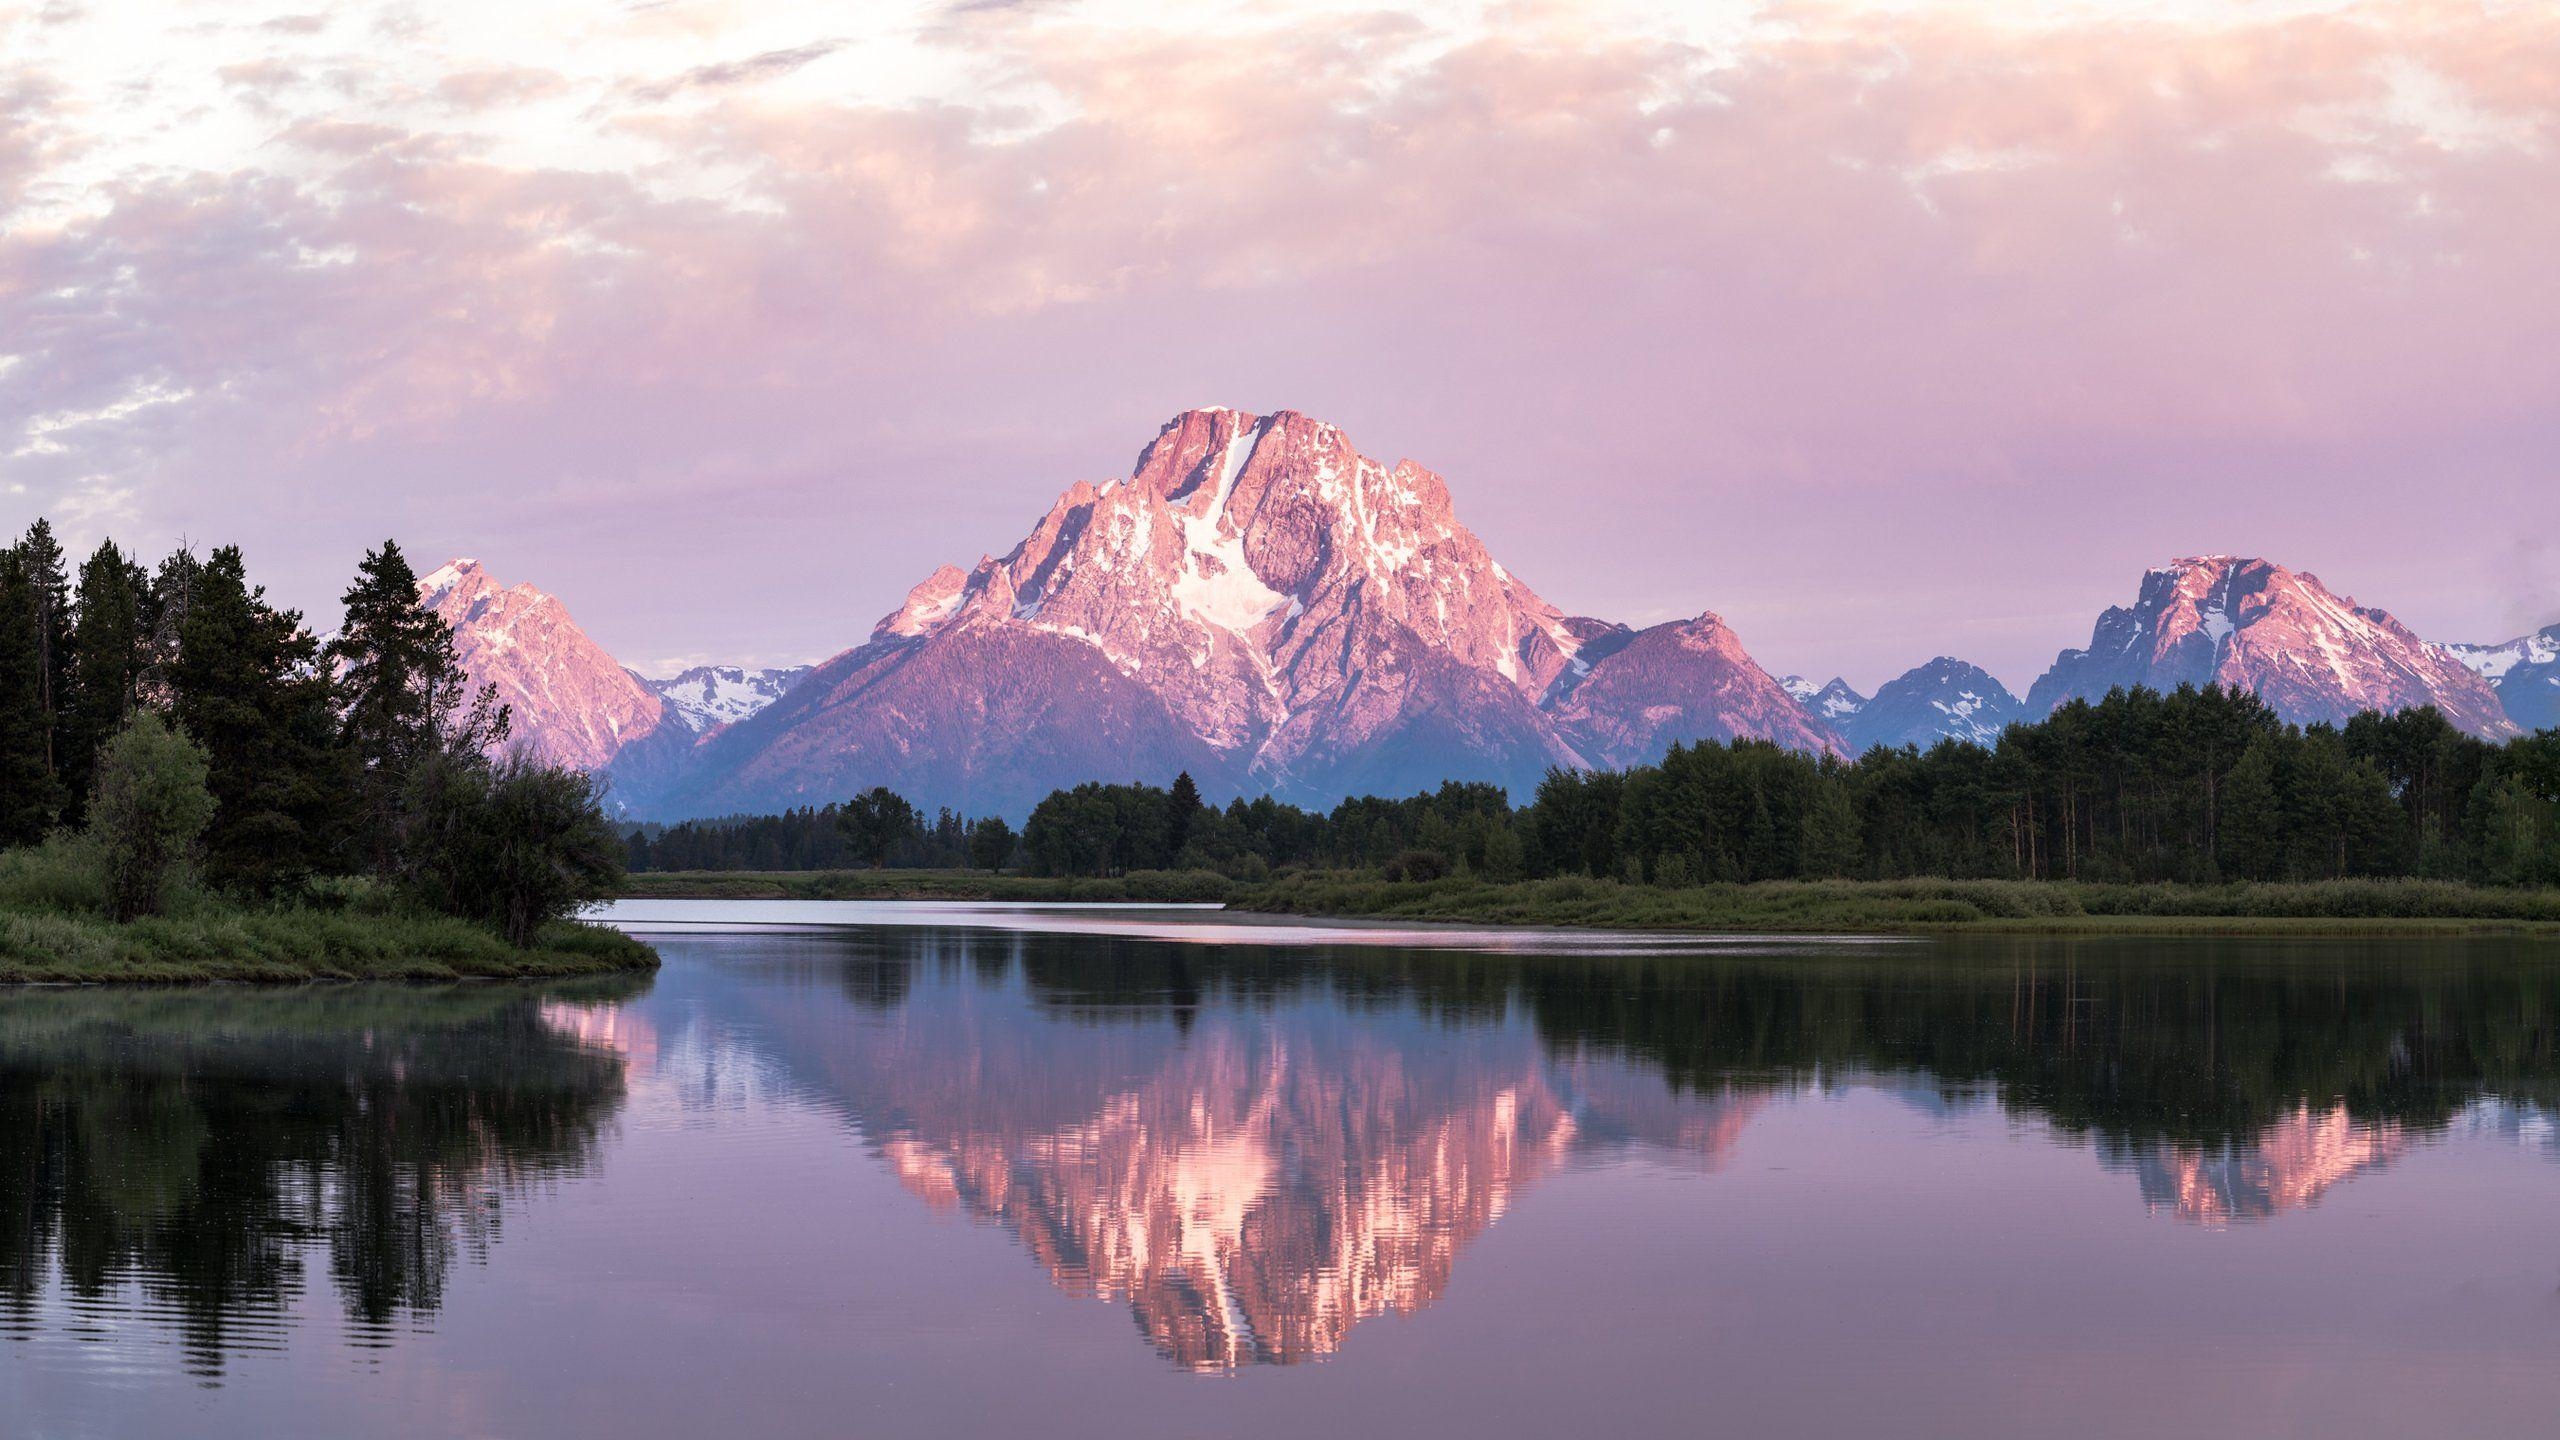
(571, 703)
(1260, 604)
(2252, 624)
(2524, 671)
(1944, 699)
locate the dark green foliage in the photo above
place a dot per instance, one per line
(992, 843)
(874, 822)
(402, 694)
(41, 562)
(250, 689)
(511, 843)
(30, 796)
(150, 806)
(109, 650)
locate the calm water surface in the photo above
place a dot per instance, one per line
(903, 1170)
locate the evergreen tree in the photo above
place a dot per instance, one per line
(403, 694)
(2251, 844)
(1182, 815)
(108, 651)
(250, 690)
(41, 559)
(172, 595)
(30, 797)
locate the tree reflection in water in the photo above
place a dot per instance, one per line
(186, 1155)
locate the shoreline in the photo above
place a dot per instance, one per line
(2326, 909)
(296, 947)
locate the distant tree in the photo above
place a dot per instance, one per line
(991, 843)
(1831, 849)
(150, 805)
(108, 653)
(30, 797)
(1182, 815)
(874, 822)
(171, 597)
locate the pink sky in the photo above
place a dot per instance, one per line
(1885, 330)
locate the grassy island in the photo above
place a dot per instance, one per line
(292, 944)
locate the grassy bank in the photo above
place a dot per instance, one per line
(1160, 887)
(2347, 907)
(294, 944)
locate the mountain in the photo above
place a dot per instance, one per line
(709, 696)
(570, 702)
(1831, 704)
(2525, 672)
(1686, 680)
(1260, 604)
(2254, 625)
(1944, 699)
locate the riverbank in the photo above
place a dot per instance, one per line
(209, 944)
(2345, 907)
(1140, 887)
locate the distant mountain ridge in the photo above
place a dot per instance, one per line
(1261, 605)
(2524, 671)
(2254, 625)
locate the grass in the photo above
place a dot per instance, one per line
(1158, 887)
(294, 944)
(54, 930)
(2343, 907)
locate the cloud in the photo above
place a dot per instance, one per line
(1857, 328)
(770, 65)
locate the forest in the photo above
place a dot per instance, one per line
(2200, 786)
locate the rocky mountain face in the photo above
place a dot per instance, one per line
(2524, 671)
(1258, 603)
(1944, 699)
(707, 697)
(2254, 625)
(571, 703)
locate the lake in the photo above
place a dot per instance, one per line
(893, 1170)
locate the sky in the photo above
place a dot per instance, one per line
(1885, 330)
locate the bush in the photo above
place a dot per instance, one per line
(147, 809)
(510, 843)
(1417, 867)
(62, 876)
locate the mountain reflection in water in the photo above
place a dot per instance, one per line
(1253, 1149)
(1258, 1149)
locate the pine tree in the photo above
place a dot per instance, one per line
(2251, 841)
(404, 696)
(30, 797)
(1182, 813)
(171, 596)
(108, 651)
(249, 689)
(41, 560)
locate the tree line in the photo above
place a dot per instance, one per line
(170, 724)
(2200, 785)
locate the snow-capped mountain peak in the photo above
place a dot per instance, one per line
(2524, 671)
(706, 697)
